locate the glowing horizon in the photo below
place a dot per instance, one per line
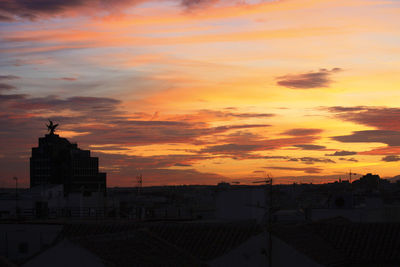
(199, 92)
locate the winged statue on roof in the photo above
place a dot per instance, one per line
(51, 127)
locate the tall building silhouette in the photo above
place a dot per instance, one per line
(57, 161)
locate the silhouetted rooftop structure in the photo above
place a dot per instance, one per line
(57, 161)
(370, 181)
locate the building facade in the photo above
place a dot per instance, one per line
(57, 161)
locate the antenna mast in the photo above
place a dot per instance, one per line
(139, 182)
(268, 183)
(268, 210)
(268, 193)
(350, 174)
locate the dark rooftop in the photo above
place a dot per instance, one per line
(197, 241)
(339, 242)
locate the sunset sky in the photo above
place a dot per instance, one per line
(204, 91)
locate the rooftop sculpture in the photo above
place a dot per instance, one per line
(51, 127)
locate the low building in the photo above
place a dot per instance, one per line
(241, 204)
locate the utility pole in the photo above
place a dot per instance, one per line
(16, 197)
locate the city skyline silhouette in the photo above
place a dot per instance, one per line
(199, 92)
(199, 133)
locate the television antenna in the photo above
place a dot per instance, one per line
(139, 183)
(350, 174)
(268, 210)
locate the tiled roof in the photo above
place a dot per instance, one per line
(340, 243)
(136, 248)
(365, 242)
(306, 241)
(208, 240)
(205, 241)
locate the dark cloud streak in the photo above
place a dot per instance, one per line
(190, 4)
(306, 169)
(351, 159)
(391, 138)
(342, 153)
(310, 147)
(302, 132)
(391, 158)
(6, 87)
(310, 80)
(311, 160)
(36, 9)
(9, 77)
(382, 118)
(11, 10)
